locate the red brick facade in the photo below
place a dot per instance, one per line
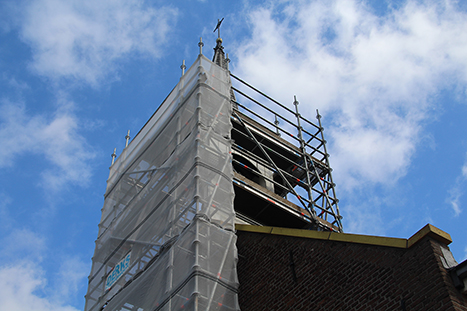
(278, 272)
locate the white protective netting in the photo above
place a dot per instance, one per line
(169, 207)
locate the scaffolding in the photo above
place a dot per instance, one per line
(286, 155)
(166, 238)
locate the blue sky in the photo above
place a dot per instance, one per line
(389, 78)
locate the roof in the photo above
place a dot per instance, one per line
(428, 230)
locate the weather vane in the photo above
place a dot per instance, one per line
(218, 27)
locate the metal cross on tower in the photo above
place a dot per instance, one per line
(218, 27)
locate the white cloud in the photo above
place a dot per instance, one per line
(55, 137)
(363, 218)
(22, 288)
(22, 243)
(71, 274)
(454, 201)
(25, 285)
(456, 191)
(464, 170)
(82, 39)
(454, 195)
(373, 78)
(13, 83)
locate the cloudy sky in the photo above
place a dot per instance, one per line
(389, 78)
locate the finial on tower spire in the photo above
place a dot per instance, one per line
(183, 67)
(219, 56)
(127, 138)
(114, 155)
(200, 44)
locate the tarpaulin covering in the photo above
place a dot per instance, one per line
(166, 239)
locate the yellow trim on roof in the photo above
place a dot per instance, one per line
(429, 230)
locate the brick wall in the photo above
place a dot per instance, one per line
(291, 273)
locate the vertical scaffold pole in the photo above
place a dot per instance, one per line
(305, 160)
(276, 123)
(326, 156)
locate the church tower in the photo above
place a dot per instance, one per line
(211, 156)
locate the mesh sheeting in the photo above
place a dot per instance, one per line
(169, 204)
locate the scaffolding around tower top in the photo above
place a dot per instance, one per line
(292, 154)
(211, 156)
